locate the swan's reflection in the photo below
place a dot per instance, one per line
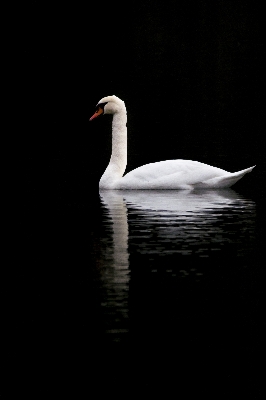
(160, 225)
(115, 276)
(179, 218)
(178, 202)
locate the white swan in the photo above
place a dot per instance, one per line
(169, 174)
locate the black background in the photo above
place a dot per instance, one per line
(192, 76)
(190, 73)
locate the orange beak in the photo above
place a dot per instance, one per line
(98, 112)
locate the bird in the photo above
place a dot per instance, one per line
(169, 174)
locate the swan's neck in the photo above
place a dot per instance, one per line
(118, 161)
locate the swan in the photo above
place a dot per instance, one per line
(169, 174)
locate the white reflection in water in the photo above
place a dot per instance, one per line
(158, 226)
(115, 278)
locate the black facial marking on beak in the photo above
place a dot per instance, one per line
(101, 105)
(99, 110)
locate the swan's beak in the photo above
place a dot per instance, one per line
(98, 112)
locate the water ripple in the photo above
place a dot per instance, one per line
(173, 231)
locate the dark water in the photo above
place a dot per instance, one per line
(169, 238)
(142, 292)
(178, 291)
(178, 286)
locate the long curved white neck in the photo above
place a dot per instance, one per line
(118, 160)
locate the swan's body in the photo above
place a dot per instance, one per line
(169, 174)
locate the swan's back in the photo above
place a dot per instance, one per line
(170, 174)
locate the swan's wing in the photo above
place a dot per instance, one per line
(170, 174)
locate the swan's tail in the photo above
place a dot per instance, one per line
(226, 180)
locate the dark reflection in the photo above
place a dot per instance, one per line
(168, 236)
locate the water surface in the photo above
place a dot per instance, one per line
(148, 289)
(165, 238)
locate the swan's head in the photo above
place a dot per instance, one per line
(108, 105)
